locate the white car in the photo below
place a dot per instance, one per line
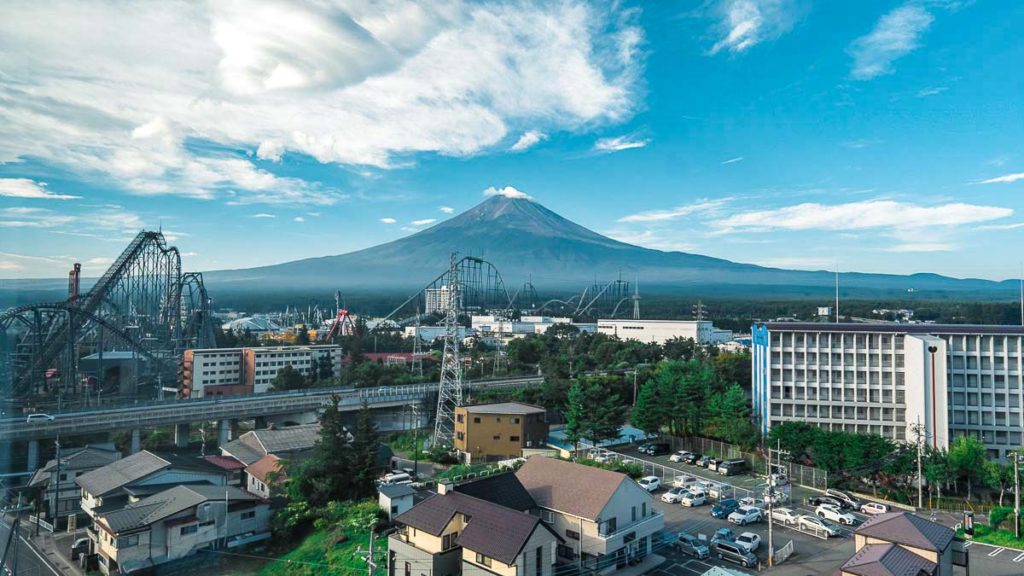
(753, 502)
(679, 456)
(785, 516)
(720, 491)
(649, 483)
(684, 481)
(694, 498)
(873, 508)
(745, 515)
(674, 495)
(39, 418)
(835, 514)
(748, 540)
(814, 523)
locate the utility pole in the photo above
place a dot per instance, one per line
(770, 496)
(1016, 493)
(917, 429)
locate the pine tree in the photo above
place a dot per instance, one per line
(365, 448)
(574, 415)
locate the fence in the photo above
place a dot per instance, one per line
(806, 476)
(782, 553)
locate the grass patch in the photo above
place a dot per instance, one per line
(321, 553)
(986, 535)
(405, 443)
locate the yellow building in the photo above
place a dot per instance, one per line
(491, 432)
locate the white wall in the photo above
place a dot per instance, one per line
(926, 400)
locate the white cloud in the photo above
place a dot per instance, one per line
(528, 140)
(447, 209)
(922, 247)
(746, 23)
(702, 206)
(27, 188)
(313, 214)
(263, 215)
(507, 192)
(386, 81)
(931, 91)
(388, 220)
(1005, 179)
(617, 143)
(733, 160)
(651, 239)
(896, 34)
(864, 215)
(424, 221)
(1012, 226)
(298, 219)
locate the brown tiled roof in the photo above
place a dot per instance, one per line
(908, 529)
(502, 489)
(887, 560)
(260, 468)
(225, 462)
(568, 487)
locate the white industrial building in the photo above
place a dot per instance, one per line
(220, 371)
(885, 378)
(661, 331)
(490, 325)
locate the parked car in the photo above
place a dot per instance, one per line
(749, 540)
(679, 456)
(684, 481)
(689, 544)
(704, 485)
(786, 516)
(758, 503)
(719, 491)
(732, 467)
(649, 483)
(694, 497)
(602, 458)
(39, 418)
(808, 522)
(733, 552)
(703, 461)
(657, 449)
(395, 478)
(835, 514)
(723, 535)
(674, 495)
(692, 458)
(713, 464)
(847, 500)
(827, 500)
(873, 508)
(81, 546)
(745, 515)
(643, 448)
(724, 508)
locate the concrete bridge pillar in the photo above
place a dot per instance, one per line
(136, 444)
(261, 422)
(181, 435)
(33, 454)
(223, 432)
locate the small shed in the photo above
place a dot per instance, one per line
(395, 498)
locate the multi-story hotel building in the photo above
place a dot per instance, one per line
(885, 378)
(218, 371)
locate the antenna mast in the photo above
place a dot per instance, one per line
(417, 345)
(449, 390)
(636, 299)
(837, 293)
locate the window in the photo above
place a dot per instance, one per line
(513, 438)
(539, 562)
(572, 534)
(476, 420)
(248, 515)
(128, 541)
(547, 516)
(459, 418)
(515, 420)
(483, 560)
(408, 569)
(609, 526)
(634, 513)
(460, 435)
(448, 541)
(497, 436)
(192, 529)
(643, 509)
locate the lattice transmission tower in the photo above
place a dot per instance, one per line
(449, 390)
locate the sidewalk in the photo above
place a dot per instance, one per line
(56, 548)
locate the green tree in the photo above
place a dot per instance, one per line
(937, 470)
(327, 474)
(574, 415)
(158, 439)
(365, 448)
(997, 476)
(288, 378)
(650, 413)
(603, 413)
(729, 418)
(966, 457)
(797, 438)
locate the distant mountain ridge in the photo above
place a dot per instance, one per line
(523, 239)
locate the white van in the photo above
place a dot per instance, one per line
(396, 478)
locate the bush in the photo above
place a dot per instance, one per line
(998, 516)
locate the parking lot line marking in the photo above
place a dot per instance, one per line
(1019, 558)
(996, 552)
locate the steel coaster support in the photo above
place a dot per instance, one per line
(450, 387)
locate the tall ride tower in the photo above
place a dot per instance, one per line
(449, 390)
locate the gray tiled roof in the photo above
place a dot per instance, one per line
(568, 487)
(887, 560)
(395, 490)
(906, 528)
(503, 489)
(86, 458)
(256, 444)
(120, 472)
(242, 452)
(168, 503)
(505, 408)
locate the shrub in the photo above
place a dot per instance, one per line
(998, 516)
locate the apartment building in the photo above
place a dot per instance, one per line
(222, 371)
(491, 432)
(885, 378)
(661, 331)
(606, 519)
(176, 523)
(900, 543)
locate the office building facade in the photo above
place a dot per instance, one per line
(887, 378)
(222, 371)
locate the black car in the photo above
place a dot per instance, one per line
(692, 458)
(658, 449)
(704, 461)
(819, 500)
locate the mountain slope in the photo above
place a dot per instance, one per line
(523, 239)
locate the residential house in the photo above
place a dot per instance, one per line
(604, 516)
(264, 476)
(395, 499)
(292, 443)
(56, 480)
(140, 475)
(491, 432)
(899, 543)
(176, 523)
(452, 533)
(233, 469)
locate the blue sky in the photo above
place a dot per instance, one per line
(869, 136)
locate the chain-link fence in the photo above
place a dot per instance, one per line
(806, 476)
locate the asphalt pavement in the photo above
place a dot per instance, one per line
(29, 561)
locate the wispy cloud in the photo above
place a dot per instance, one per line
(388, 220)
(423, 222)
(746, 23)
(922, 247)
(27, 188)
(618, 143)
(702, 206)
(653, 239)
(896, 34)
(298, 219)
(263, 215)
(860, 143)
(507, 192)
(1013, 226)
(446, 209)
(931, 91)
(1004, 179)
(733, 160)
(529, 139)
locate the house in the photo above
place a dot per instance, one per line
(176, 523)
(233, 469)
(292, 442)
(395, 499)
(452, 533)
(264, 476)
(56, 480)
(491, 432)
(139, 475)
(899, 543)
(604, 516)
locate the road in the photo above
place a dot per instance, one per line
(29, 561)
